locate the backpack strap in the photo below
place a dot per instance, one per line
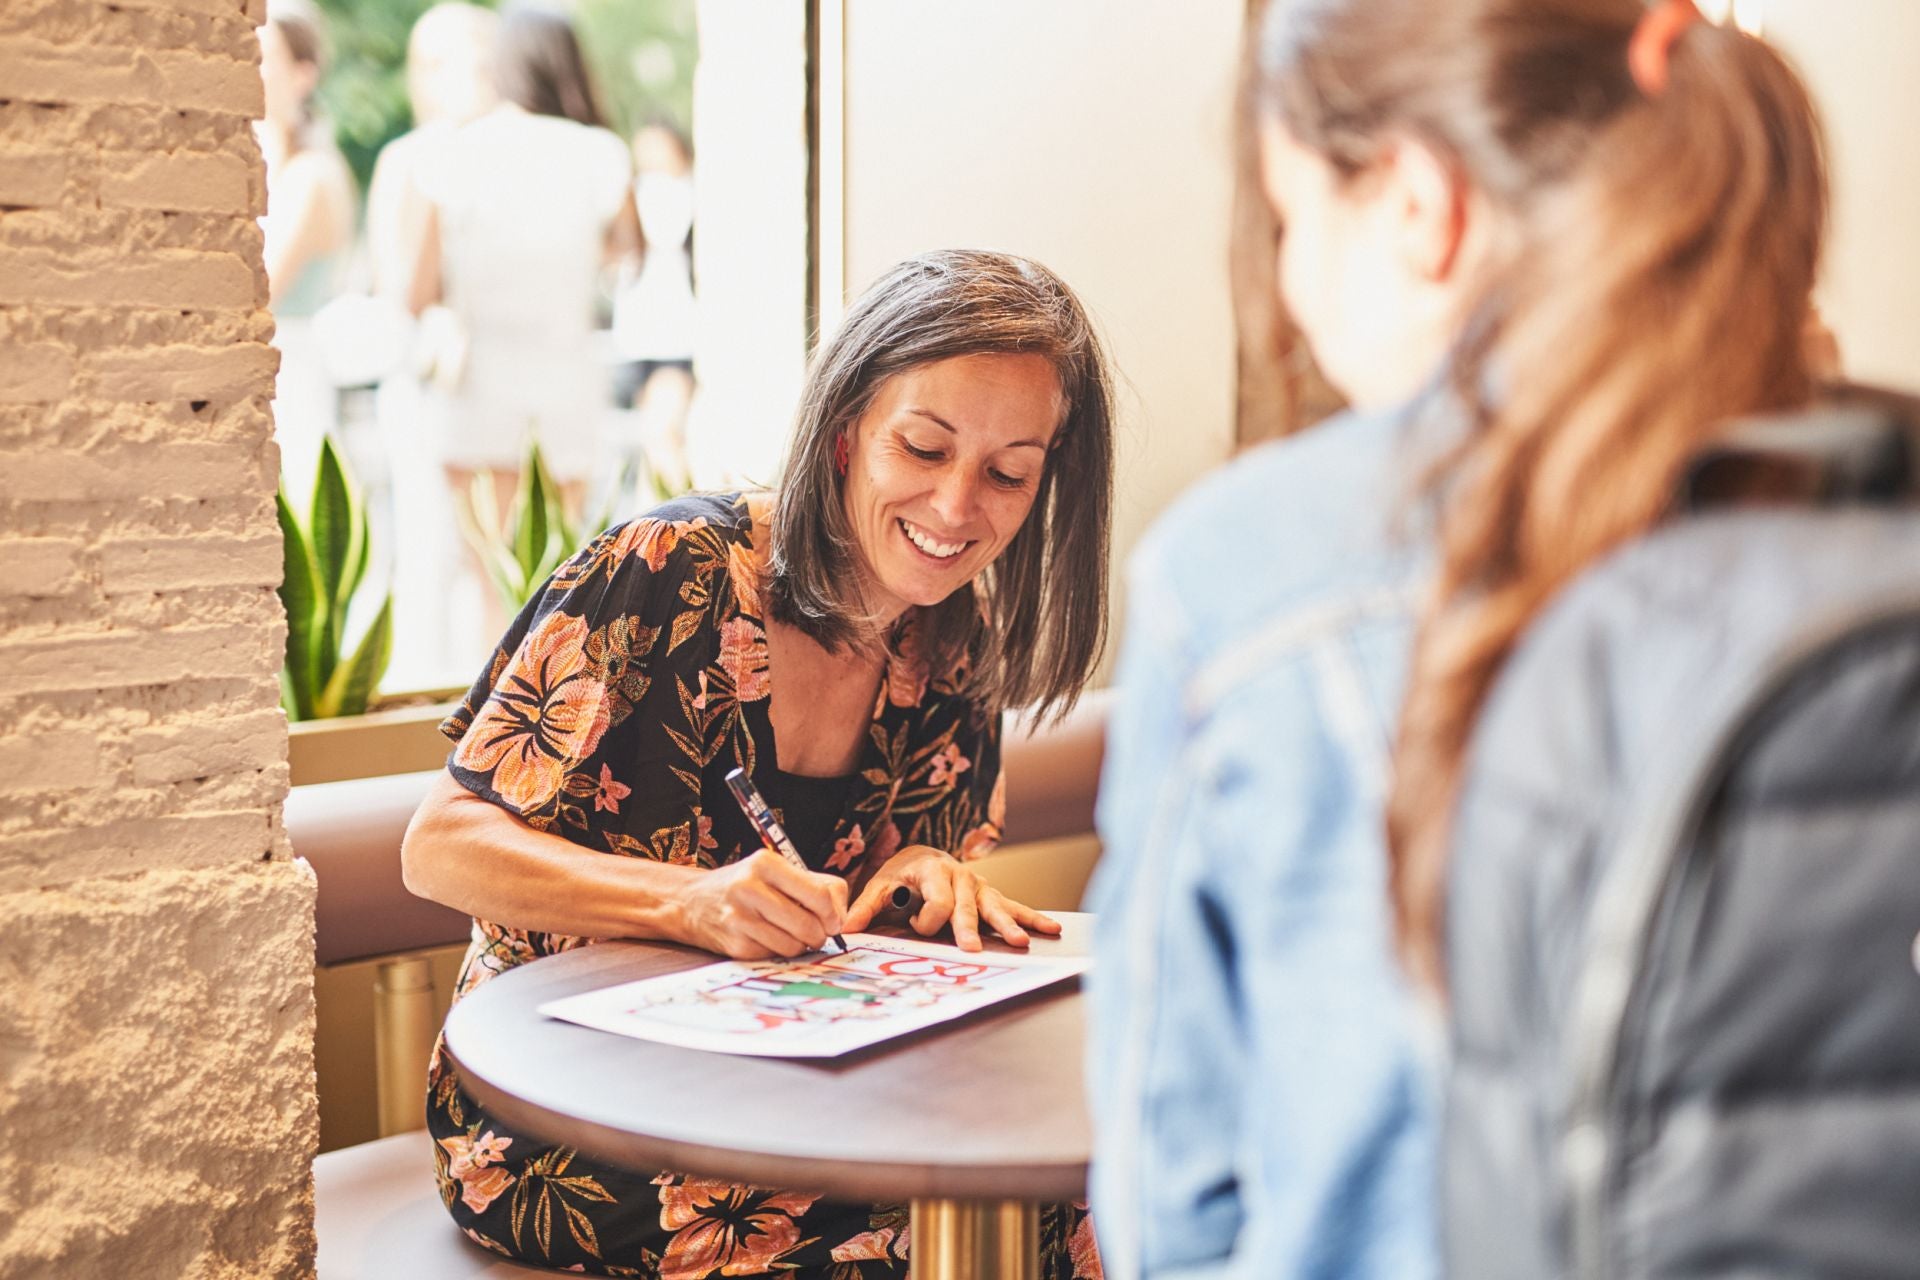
(1855, 446)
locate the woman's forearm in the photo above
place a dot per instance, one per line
(474, 856)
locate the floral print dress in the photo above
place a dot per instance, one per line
(610, 715)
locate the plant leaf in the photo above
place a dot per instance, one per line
(332, 522)
(288, 703)
(534, 508)
(479, 518)
(352, 684)
(536, 538)
(299, 595)
(362, 552)
(483, 499)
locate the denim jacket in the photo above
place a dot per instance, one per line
(1263, 1106)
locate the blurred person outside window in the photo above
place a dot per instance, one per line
(524, 207)
(308, 229)
(449, 83)
(653, 310)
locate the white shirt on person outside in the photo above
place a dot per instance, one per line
(524, 204)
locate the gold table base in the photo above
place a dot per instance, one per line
(975, 1240)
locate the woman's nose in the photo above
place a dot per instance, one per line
(954, 498)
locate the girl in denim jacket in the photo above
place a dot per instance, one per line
(1546, 248)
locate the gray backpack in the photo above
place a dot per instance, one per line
(1685, 1014)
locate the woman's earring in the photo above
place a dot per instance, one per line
(840, 460)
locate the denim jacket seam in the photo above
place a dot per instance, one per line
(1290, 635)
(1351, 720)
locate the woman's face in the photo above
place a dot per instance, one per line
(1366, 265)
(943, 468)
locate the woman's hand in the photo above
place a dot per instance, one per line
(760, 907)
(948, 890)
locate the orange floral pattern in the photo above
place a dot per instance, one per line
(743, 656)
(546, 714)
(888, 1239)
(985, 838)
(907, 674)
(654, 540)
(719, 1227)
(948, 764)
(847, 850)
(611, 793)
(610, 715)
(474, 1163)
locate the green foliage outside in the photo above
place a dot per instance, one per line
(325, 561)
(641, 53)
(364, 91)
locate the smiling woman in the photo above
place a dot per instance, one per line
(935, 555)
(972, 390)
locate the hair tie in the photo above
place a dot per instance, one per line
(1651, 46)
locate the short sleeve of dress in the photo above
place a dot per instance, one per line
(572, 667)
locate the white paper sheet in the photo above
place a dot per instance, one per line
(816, 1006)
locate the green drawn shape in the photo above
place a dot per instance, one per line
(805, 989)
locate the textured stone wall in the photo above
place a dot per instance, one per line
(156, 1019)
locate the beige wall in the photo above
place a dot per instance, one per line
(1092, 136)
(1862, 60)
(156, 1010)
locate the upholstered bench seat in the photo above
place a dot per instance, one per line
(379, 1217)
(350, 833)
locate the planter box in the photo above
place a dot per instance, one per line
(401, 740)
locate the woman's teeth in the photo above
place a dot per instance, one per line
(943, 550)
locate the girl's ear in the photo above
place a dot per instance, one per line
(1428, 200)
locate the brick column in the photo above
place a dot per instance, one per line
(156, 939)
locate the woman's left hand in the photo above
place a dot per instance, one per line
(948, 890)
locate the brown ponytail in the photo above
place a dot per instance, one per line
(1665, 257)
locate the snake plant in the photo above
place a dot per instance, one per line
(325, 564)
(521, 551)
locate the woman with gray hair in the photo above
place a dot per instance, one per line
(934, 555)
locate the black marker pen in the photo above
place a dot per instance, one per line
(771, 833)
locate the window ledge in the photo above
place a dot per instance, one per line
(403, 740)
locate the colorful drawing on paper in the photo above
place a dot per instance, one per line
(814, 1006)
(866, 984)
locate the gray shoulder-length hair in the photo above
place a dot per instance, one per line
(1033, 623)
